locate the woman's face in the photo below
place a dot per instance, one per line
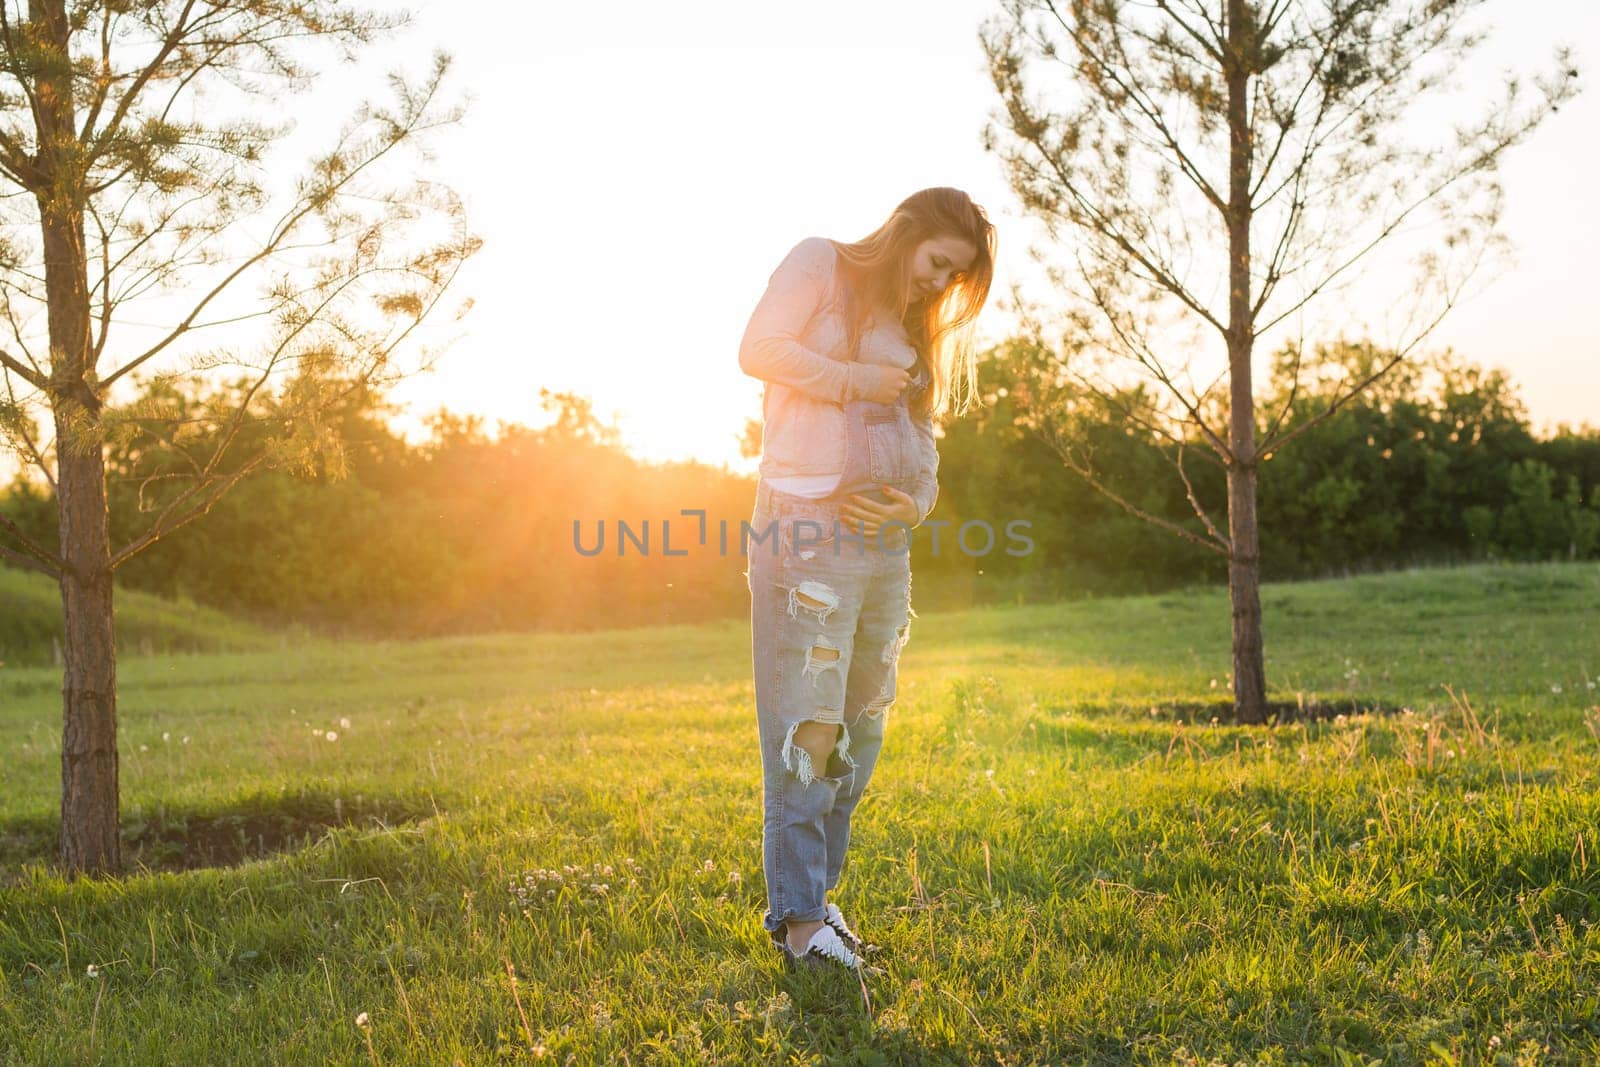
(933, 262)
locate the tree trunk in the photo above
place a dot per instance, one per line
(89, 789)
(1244, 557)
(1244, 595)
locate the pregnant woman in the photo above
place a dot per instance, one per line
(861, 347)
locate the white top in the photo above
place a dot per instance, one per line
(811, 485)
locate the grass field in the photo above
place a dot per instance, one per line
(1057, 868)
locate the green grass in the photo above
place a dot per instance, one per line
(1056, 873)
(30, 624)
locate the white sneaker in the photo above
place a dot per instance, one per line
(824, 950)
(835, 918)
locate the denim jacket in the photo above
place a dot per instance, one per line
(796, 342)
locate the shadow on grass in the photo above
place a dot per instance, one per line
(174, 838)
(833, 1023)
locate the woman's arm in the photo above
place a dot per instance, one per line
(771, 350)
(926, 489)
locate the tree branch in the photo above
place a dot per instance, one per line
(315, 200)
(35, 456)
(34, 379)
(28, 563)
(214, 489)
(1338, 402)
(1086, 472)
(42, 559)
(1194, 502)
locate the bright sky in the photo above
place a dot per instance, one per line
(637, 169)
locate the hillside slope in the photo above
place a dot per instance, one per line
(31, 630)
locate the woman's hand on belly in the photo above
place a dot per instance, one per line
(883, 384)
(868, 516)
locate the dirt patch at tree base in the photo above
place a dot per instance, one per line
(171, 838)
(1223, 712)
(1279, 712)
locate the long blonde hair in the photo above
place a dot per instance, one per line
(877, 268)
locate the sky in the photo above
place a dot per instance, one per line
(637, 169)
(637, 175)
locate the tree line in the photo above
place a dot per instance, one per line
(473, 529)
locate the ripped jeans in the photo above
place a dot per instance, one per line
(830, 610)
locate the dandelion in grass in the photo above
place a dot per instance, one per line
(364, 1024)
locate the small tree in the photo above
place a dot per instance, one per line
(1181, 139)
(136, 138)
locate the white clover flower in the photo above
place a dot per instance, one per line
(344, 723)
(165, 736)
(94, 971)
(332, 735)
(1556, 689)
(363, 1020)
(186, 740)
